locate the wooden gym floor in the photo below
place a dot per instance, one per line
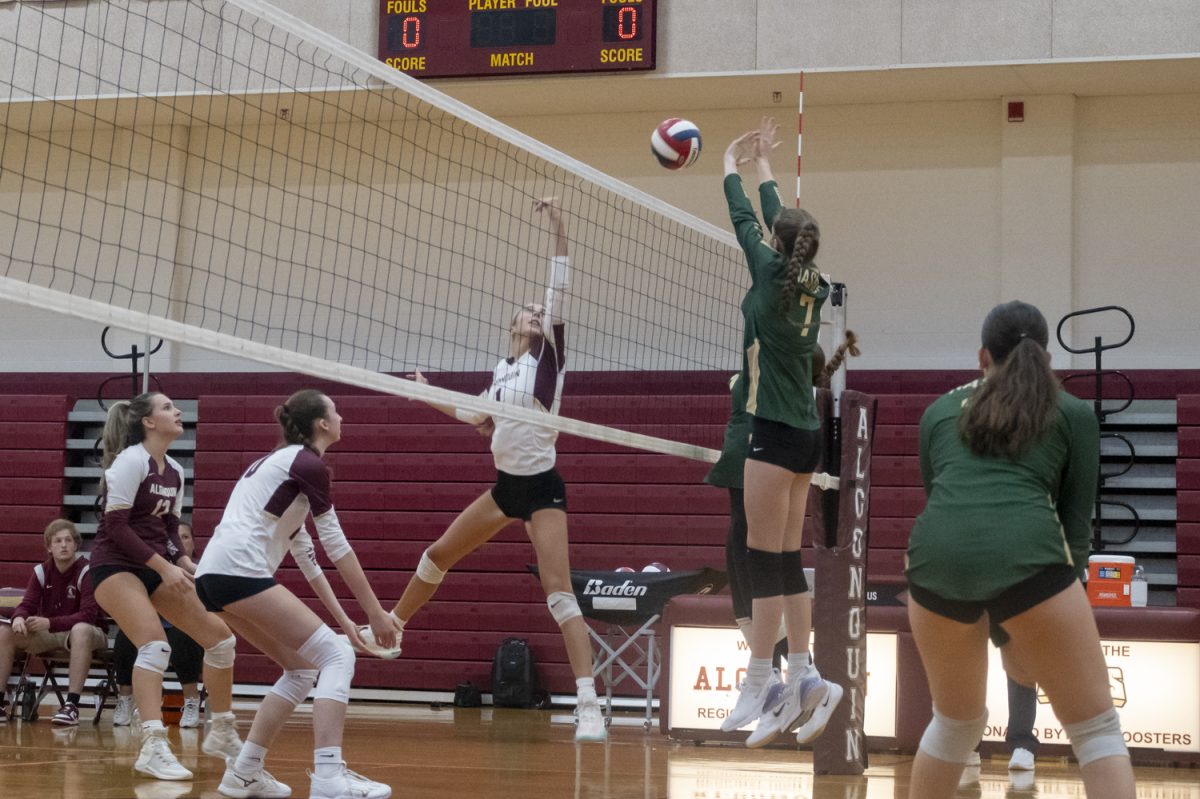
(505, 754)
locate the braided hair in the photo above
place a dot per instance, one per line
(798, 236)
(824, 370)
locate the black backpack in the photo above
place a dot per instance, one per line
(514, 676)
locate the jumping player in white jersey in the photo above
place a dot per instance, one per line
(140, 572)
(263, 521)
(527, 485)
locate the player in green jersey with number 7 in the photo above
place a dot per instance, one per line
(782, 313)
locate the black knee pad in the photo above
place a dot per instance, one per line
(794, 581)
(766, 573)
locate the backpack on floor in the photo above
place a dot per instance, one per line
(514, 675)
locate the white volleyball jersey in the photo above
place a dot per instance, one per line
(265, 517)
(535, 381)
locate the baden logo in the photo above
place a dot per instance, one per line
(627, 588)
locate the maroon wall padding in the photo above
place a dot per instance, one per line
(403, 471)
(1187, 502)
(32, 481)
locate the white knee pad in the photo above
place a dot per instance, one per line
(952, 740)
(221, 654)
(295, 685)
(428, 571)
(563, 607)
(334, 658)
(1097, 737)
(154, 656)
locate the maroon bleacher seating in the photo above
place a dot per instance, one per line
(32, 459)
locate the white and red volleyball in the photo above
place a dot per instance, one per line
(675, 143)
(655, 567)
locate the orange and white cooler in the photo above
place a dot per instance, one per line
(1108, 580)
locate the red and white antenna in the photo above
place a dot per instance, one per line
(799, 138)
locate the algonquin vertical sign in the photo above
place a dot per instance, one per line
(839, 606)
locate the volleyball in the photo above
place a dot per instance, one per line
(675, 143)
(655, 567)
(375, 649)
(623, 569)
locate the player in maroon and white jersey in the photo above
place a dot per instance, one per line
(140, 572)
(263, 521)
(528, 487)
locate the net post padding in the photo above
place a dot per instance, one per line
(839, 606)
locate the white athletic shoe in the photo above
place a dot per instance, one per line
(750, 703)
(780, 713)
(261, 784)
(191, 713)
(589, 724)
(155, 758)
(347, 785)
(1022, 760)
(123, 713)
(222, 739)
(974, 759)
(819, 699)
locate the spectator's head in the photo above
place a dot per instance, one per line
(62, 539)
(185, 535)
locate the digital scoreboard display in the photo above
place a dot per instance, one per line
(461, 38)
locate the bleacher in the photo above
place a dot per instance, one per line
(403, 471)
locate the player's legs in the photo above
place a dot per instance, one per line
(737, 564)
(1058, 644)
(183, 609)
(954, 655)
(547, 530)
(123, 597)
(8, 652)
(307, 649)
(768, 498)
(481, 520)
(797, 605)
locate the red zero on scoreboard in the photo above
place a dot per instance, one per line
(460, 38)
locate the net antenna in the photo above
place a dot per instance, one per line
(225, 176)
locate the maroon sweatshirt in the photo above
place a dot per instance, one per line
(65, 598)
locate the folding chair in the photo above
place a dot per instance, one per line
(630, 604)
(31, 690)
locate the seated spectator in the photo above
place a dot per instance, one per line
(58, 611)
(187, 661)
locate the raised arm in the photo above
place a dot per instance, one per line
(470, 417)
(559, 280)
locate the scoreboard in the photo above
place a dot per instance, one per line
(460, 38)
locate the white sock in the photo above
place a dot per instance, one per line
(800, 665)
(226, 716)
(153, 726)
(757, 672)
(250, 759)
(327, 761)
(585, 689)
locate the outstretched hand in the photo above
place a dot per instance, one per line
(765, 141)
(742, 149)
(416, 376)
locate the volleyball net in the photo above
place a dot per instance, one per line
(225, 176)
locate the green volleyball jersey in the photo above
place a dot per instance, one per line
(777, 347)
(990, 523)
(727, 472)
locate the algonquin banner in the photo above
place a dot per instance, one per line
(839, 604)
